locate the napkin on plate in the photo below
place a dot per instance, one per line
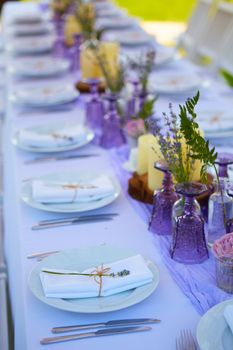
(71, 191)
(228, 314)
(57, 138)
(68, 287)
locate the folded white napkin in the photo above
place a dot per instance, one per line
(57, 138)
(68, 287)
(68, 192)
(228, 314)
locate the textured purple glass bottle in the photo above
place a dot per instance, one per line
(94, 107)
(188, 236)
(161, 218)
(112, 132)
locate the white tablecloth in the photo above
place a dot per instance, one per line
(33, 319)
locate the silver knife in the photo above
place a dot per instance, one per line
(114, 323)
(100, 333)
(43, 222)
(71, 222)
(52, 159)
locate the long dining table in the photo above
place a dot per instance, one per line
(33, 319)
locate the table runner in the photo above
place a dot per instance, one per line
(197, 282)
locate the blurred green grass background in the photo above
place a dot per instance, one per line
(159, 10)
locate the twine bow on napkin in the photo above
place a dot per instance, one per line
(99, 272)
(75, 187)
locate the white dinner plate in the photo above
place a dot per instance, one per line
(174, 83)
(39, 67)
(115, 23)
(50, 128)
(213, 332)
(30, 29)
(31, 45)
(215, 121)
(164, 55)
(73, 207)
(131, 38)
(81, 259)
(32, 17)
(46, 96)
(112, 12)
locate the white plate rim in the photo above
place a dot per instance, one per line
(205, 319)
(27, 199)
(54, 302)
(61, 67)
(89, 133)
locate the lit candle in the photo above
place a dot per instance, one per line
(89, 65)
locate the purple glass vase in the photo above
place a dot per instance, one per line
(59, 49)
(188, 236)
(161, 218)
(94, 107)
(223, 160)
(73, 53)
(58, 21)
(112, 132)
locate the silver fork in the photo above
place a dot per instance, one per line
(186, 341)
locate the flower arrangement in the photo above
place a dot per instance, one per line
(85, 16)
(182, 144)
(60, 6)
(223, 247)
(114, 78)
(135, 128)
(143, 65)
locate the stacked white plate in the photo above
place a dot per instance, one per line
(31, 45)
(175, 83)
(130, 38)
(30, 29)
(47, 96)
(39, 67)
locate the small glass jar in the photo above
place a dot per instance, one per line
(224, 274)
(223, 252)
(220, 210)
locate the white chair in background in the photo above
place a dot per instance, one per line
(216, 34)
(196, 26)
(225, 59)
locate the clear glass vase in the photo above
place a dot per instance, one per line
(220, 211)
(161, 218)
(112, 132)
(188, 236)
(131, 108)
(223, 160)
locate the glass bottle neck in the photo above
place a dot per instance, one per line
(189, 205)
(222, 170)
(167, 182)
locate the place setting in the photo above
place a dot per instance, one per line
(48, 97)
(39, 67)
(95, 280)
(117, 212)
(31, 45)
